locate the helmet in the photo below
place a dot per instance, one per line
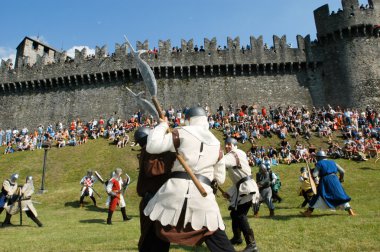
(89, 173)
(303, 169)
(195, 111)
(321, 155)
(29, 179)
(231, 140)
(14, 176)
(118, 171)
(141, 135)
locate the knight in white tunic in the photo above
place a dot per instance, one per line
(24, 203)
(178, 203)
(242, 194)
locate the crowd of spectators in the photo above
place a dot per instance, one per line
(75, 133)
(359, 130)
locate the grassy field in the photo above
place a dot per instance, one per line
(70, 228)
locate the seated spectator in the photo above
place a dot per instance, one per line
(9, 149)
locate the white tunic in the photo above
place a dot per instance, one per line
(248, 190)
(166, 205)
(26, 203)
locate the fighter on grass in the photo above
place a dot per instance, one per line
(23, 203)
(330, 193)
(242, 194)
(154, 171)
(8, 194)
(87, 183)
(116, 187)
(183, 215)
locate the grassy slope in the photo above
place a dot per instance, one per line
(68, 228)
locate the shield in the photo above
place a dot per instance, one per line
(99, 177)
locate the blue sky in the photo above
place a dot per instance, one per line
(70, 24)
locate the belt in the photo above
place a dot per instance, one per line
(241, 181)
(185, 175)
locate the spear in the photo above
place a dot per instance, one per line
(151, 84)
(312, 183)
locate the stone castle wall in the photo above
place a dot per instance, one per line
(34, 108)
(340, 68)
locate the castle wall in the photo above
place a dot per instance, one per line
(352, 72)
(33, 108)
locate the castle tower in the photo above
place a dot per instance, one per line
(349, 42)
(29, 51)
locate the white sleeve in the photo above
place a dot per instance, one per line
(109, 187)
(220, 171)
(159, 141)
(229, 160)
(82, 181)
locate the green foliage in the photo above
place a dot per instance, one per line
(70, 228)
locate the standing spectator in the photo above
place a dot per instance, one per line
(1, 136)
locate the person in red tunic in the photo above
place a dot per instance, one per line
(115, 192)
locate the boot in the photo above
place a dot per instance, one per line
(37, 221)
(7, 220)
(271, 212)
(93, 200)
(125, 216)
(256, 214)
(307, 213)
(250, 241)
(236, 240)
(109, 218)
(351, 212)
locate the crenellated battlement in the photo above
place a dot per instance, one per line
(352, 20)
(341, 67)
(167, 62)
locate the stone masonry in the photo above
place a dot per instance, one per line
(340, 68)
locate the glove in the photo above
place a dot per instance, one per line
(226, 195)
(214, 186)
(341, 180)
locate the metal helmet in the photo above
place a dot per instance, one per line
(29, 179)
(118, 171)
(231, 140)
(303, 169)
(89, 173)
(195, 111)
(321, 155)
(14, 176)
(141, 135)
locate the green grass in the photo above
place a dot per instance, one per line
(69, 228)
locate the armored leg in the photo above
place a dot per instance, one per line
(34, 218)
(109, 218)
(7, 220)
(235, 229)
(93, 200)
(81, 201)
(125, 216)
(250, 241)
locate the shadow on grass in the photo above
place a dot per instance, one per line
(292, 216)
(74, 204)
(93, 221)
(367, 168)
(95, 209)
